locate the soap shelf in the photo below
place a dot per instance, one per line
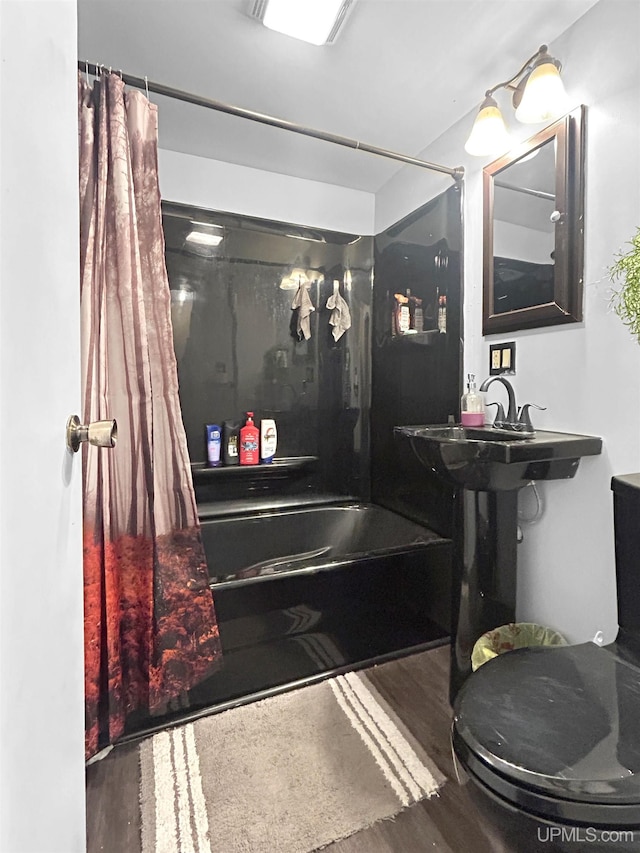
(427, 338)
(280, 467)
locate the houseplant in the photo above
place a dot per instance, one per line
(626, 300)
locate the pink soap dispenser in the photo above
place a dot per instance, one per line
(472, 405)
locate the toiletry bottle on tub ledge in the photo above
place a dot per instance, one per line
(214, 445)
(268, 440)
(231, 442)
(249, 442)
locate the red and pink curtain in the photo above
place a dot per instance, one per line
(150, 626)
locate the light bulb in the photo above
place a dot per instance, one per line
(544, 97)
(489, 135)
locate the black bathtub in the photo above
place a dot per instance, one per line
(261, 545)
(307, 592)
(340, 584)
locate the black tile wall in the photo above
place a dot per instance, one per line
(334, 402)
(237, 350)
(416, 378)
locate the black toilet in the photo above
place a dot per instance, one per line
(554, 733)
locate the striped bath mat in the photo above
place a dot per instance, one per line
(291, 773)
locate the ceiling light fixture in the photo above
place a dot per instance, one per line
(202, 238)
(315, 21)
(538, 95)
(213, 236)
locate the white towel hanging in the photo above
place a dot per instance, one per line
(340, 318)
(302, 301)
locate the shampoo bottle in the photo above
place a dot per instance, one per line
(249, 442)
(472, 405)
(268, 440)
(214, 445)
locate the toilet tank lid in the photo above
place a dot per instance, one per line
(628, 484)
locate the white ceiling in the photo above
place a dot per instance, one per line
(398, 76)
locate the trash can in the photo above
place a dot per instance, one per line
(515, 635)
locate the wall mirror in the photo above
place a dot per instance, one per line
(533, 230)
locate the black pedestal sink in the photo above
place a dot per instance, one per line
(487, 467)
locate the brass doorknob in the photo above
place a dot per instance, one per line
(98, 433)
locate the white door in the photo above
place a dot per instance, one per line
(41, 643)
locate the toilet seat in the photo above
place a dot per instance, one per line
(556, 731)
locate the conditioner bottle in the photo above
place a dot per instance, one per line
(268, 440)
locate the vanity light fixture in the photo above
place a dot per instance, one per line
(315, 21)
(538, 95)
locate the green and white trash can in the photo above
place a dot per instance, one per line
(515, 635)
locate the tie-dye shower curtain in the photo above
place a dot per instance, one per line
(150, 627)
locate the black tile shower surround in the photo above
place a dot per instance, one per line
(237, 351)
(416, 383)
(335, 401)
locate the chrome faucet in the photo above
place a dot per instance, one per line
(516, 419)
(502, 421)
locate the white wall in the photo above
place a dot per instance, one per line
(587, 374)
(267, 195)
(41, 643)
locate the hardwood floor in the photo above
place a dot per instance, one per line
(416, 687)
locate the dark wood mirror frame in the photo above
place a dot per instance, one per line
(566, 305)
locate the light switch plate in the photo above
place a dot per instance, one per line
(502, 358)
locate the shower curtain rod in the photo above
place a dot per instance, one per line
(158, 89)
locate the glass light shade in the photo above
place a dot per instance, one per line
(489, 135)
(544, 97)
(309, 20)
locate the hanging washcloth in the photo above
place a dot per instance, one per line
(302, 302)
(340, 317)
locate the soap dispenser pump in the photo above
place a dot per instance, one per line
(472, 405)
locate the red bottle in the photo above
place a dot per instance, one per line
(249, 442)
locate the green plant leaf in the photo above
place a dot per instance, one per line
(626, 300)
